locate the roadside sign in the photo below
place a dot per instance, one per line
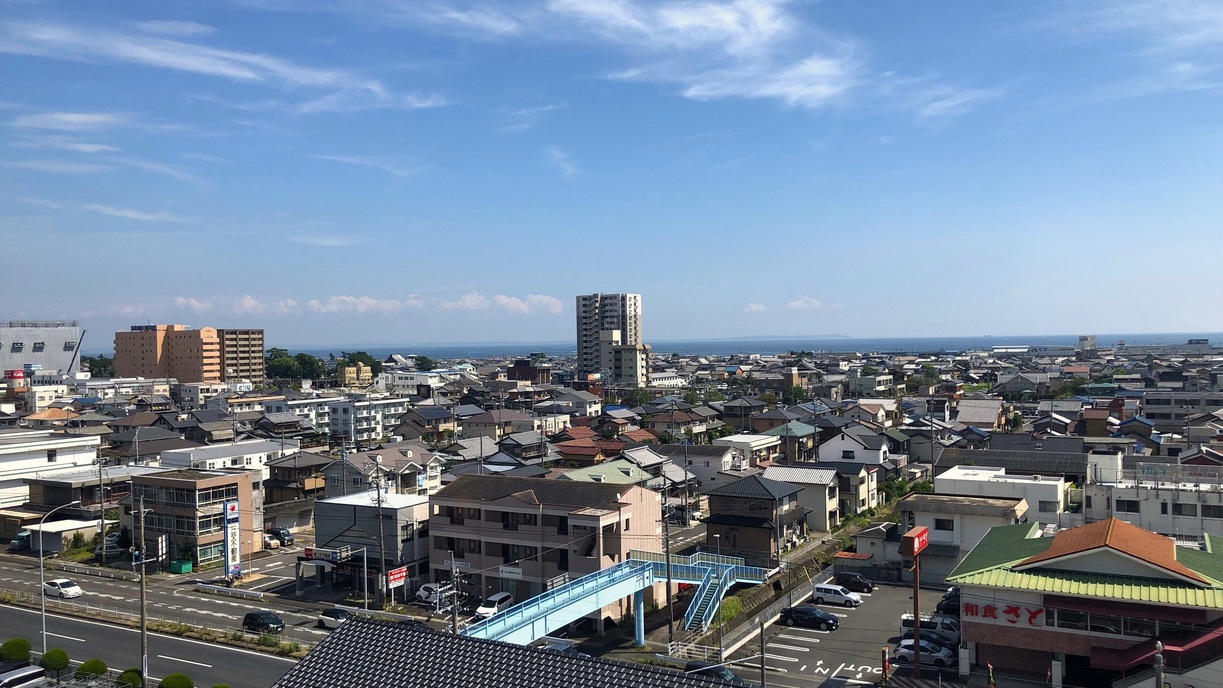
(395, 578)
(458, 564)
(914, 541)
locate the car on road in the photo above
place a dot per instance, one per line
(62, 588)
(809, 617)
(495, 603)
(430, 593)
(332, 618)
(714, 670)
(270, 541)
(262, 622)
(835, 594)
(854, 581)
(931, 653)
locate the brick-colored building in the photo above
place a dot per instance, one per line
(164, 351)
(187, 504)
(242, 355)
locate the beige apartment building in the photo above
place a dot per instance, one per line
(163, 351)
(526, 535)
(242, 355)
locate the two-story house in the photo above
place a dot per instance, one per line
(820, 495)
(755, 518)
(856, 444)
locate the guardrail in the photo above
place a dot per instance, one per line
(230, 592)
(92, 571)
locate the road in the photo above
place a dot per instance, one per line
(119, 647)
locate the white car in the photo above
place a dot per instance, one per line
(495, 603)
(270, 541)
(429, 593)
(62, 588)
(332, 618)
(931, 653)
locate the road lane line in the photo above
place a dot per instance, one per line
(67, 637)
(755, 665)
(792, 629)
(782, 658)
(185, 661)
(790, 647)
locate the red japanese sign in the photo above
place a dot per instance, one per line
(915, 541)
(1012, 613)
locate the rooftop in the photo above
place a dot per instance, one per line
(367, 498)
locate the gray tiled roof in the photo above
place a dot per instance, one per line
(374, 653)
(802, 475)
(756, 487)
(487, 488)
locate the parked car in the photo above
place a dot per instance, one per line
(708, 669)
(495, 603)
(949, 606)
(281, 534)
(62, 588)
(937, 624)
(809, 617)
(931, 653)
(835, 594)
(25, 677)
(262, 622)
(932, 637)
(854, 581)
(430, 593)
(270, 541)
(332, 618)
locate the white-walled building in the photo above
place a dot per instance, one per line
(857, 444)
(192, 396)
(754, 448)
(1170, 499)
(1045, 494)
(248, 454)
(37, 454)
(365, 420)
(316, 410)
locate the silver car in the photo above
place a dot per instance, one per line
(931, 653)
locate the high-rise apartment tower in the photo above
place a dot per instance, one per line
(609, 337)
(175, 351)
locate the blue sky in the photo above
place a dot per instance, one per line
(416, 171)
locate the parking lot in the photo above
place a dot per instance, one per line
(850, 655)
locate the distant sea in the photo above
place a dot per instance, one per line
(766, 345)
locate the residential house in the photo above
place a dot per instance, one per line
(706, 462)
(820, 495)
(755, 450)
(858, 486)
(956, 524)
(294, 477)
(754, 518)
(857, 444)
(986, 414)
(27, 453)
(407, 468)
(430, 424)
(739, 411)
(797, 441)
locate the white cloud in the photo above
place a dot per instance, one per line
(130, 214)
(175, 28)
(512, 304)
(58, 166)
(354, 304)
(131, 310)
(533, 303)
(556, 157)
(158, 168)
(754, 308)
(65, 143)
(72, 121)
(194, 304)
(361, 161)
(249, 304)
(38, 201)
(342, 90)
(326, 241)
(286, 306)
(525, 118)
(543, 302)
(805, 303)
(470, 302)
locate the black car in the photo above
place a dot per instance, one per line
(809, 617)
(949, 606)
(714, 670)
(855, 582)
(262, 622)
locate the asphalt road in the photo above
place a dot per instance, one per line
(849, 656)
(119, 647)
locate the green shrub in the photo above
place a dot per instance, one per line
(130, 678)
(220, 685)
(54, 661)
(176, 681)
(15, 650)
(91, 669)
(268, 640)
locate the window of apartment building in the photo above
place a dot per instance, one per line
(1212, 511)
(1127, 506)
(944, 524)
(1046, 506)
(1163, 508)
(51, 455)
(17, 347)
(626, 524)
(1179, 509)
(39, 347)
(69, 346)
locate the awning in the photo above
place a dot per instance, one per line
(1183, 615)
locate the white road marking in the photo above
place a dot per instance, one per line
(798, 639)
(756, 665)
(185, 661)
(782, 657)
(792, 629)
(791, 647)
(67, 637)
(802, 668)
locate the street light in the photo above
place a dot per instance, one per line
(42, 571)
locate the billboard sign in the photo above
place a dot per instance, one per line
(395, 578)
(233, 540)
(914, 541)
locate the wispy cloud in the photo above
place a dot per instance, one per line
(203, 157)
(468, 302)
(192, 304)
(754, 308)
(522, 119)
(533, 303)
(70, 121)
(360, 304)
(805, 303)
(556, 157)
(38, 201)
(326, 241)
(158, 168)
(341, 90)
(130, 214)
(362, 161)
(286, 306)
(249, 304)
(65, 143)
(58, 166)
(175, 28)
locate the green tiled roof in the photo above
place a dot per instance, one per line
(990, 562)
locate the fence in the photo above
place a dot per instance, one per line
(93, 571)
(230, 592)
(738, 637)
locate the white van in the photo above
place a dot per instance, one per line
(943, 626)
(28, 677)
(835, 594)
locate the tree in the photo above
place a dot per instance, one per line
(425, 363)
(15, 650)
(1016, 421)
(99, 366)
(275, 352)
(310, 367)
(691, 397)
(54, 661)
(714, 395)
(637, 397)
(176, 681)
(768, 398)
(283, 366)
(130, 678)
(794, 395)
(92, 668)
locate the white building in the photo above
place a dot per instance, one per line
(753, 448)
(121, 388)
(192, 396)
(1046, 494)
(365, 420)
(856, 444)
(1170, 499)
(43, 345)
(248, 454)
(316, 410)
(38, 454)
(598, 316)
(668, 379)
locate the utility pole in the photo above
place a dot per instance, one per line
(101, 507)
(378, 483)
(666, 540)
(763, 657)
(454, 594)
(144, 616)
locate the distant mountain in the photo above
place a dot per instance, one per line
(766, 337)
